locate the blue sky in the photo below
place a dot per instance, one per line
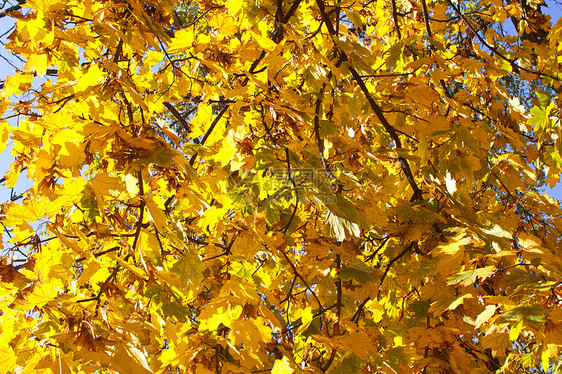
(7, 63)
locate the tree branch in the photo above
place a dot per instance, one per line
(395, 19)
(319, 141)
(12, 9)
(495, 50)
(391, 262)
(355, 316)
(278, 31)
(330, 361)
(292, 10)
(99, 254)
(296, 273)
(426, 18)
(338, 297)
(116, 268)
(405, 166)
(180, 118)
(209, 131)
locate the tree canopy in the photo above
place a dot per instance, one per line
(298, 186)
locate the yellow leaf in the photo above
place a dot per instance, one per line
(459, 301)
(468, 277)
(155, 214)
(169, 278)
(126, 80)
(454, 245)
(204, 117)
(90, 269)
(227, 25)
(377, 309)
(41, 295)
(32, 210)
(137, 271)
(227, 152)
(306, 318)
(127, 358)
(234, 6)
(249, 334)
(485, 315)
(8, 360)
(496, 341)
(166, 129)
(359, 343)
(8, 328)
(200, 369)
(70, 243)
(282, 366)
(103, 183)
(93, 77)
(544, 359)
(16, 84)
(213, 315)
(37, 63)
(515, 330)
(131, 183)
(182, 41)
(264, 42)
(42, 5)
(548, 351)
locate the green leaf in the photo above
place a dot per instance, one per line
(349, 364)
(530, 313)
(538, 119)
(189, 268)
(397, 356)
(465, 278)
(420, 308)
(358, 271)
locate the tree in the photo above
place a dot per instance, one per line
(303, 186)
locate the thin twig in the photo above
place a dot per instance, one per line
(296, 273)
(495, 50)
(404, 165)
(99, 254)
(209, 131)
(180, 118)
(392, 261)
(12, 9)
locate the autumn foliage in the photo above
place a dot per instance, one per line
(298, 186)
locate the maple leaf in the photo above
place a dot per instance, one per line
(231, 186)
